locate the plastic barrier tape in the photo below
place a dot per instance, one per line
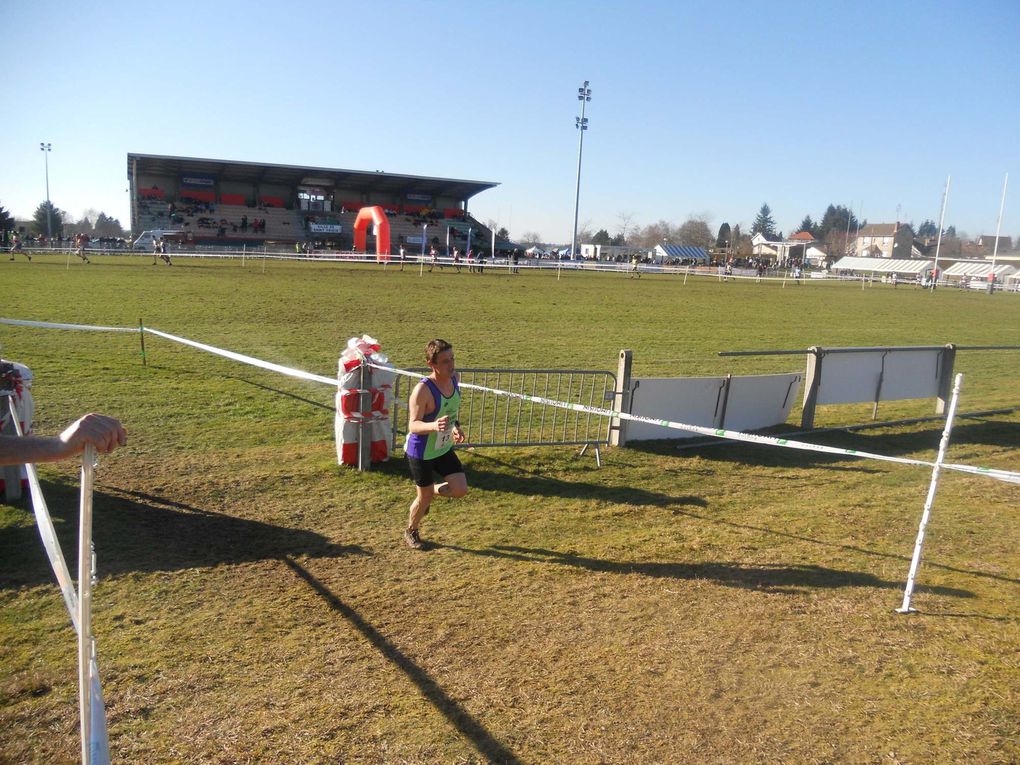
(732, 435)
(736, 435)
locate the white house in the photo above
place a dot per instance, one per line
(885, 240)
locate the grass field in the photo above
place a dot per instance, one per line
(724, 605)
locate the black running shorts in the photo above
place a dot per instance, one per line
(444, 465)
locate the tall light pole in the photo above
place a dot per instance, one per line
(45, 149)
(584, 96)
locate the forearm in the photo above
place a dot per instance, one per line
(15, 450)
(421, 428)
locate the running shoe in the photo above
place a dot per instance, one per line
(412, 540)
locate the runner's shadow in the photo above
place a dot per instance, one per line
(776, 578)
(534, 483)
(486, 744)
(544, 486)
(136, 532)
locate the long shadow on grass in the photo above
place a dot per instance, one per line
(922, 444)
(851, 548)
(144, 532)
(277, 391)
(775, 578)
(534, 484)
(468, 726)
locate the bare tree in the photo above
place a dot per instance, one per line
(695, 232)
(531, 238)
(625, 220)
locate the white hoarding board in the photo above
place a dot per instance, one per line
(692, 400)
(849, 378)
(761, 401)
(753, 402)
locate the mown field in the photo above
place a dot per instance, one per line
(727, 604)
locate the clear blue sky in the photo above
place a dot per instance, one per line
(698, 108)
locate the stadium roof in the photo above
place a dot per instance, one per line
(292, 175)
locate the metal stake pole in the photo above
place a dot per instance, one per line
(915, 562)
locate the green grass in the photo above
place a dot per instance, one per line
(728, 604)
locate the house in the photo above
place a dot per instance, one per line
(987, 243)
(884, 240)
(815, 256)
(782, 250)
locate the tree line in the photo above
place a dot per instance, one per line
(48, 217)
(835, 230)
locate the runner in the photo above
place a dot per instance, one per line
(635, 267)
(16, 247)
(80, 240)
(433, 429)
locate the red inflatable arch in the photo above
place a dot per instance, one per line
(376, 216)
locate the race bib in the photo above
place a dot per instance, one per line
(443, 439)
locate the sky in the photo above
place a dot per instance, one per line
(705, 109)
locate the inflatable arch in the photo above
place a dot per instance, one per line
(377, 217)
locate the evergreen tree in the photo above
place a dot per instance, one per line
(928, 228)
(6, 224)
(722, 239)
(835, 221)
(764, 223)
(808, 225)
(48, 217)
(106, 225)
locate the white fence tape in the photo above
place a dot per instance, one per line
(735, 435)
(732, 435)
(289, 371)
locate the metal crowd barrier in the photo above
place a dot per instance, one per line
(493, 420)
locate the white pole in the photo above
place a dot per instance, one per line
(46, 530)
(421, 261)
(244, 250)
(915, 562)
(998, 228)
(85, 603)
(942, 220)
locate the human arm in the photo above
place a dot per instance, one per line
(105, 433)
(421, 405)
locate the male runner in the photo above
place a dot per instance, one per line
(433, 429)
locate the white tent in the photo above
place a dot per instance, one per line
(883, 266)
(536, 252)
(978, 269)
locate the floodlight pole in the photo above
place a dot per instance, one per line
(584, 96)
(998, 228)
(938, 243)
(45, 148)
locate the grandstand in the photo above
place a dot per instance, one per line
(233, 204)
